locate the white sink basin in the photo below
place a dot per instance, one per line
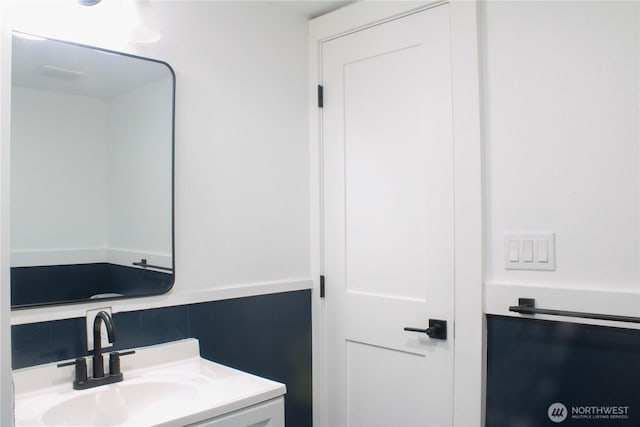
(168, 384)
(110, 406)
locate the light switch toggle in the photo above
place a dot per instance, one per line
(543, 251)
(527, 250)
(514, 250)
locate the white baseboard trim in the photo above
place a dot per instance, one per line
(122, 257)
(57, 257)
(127, 257)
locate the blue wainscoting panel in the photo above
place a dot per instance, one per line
(37, 343)
(132, 281)
(292, 351)
(222, 344)
(543, 373)
(78, 282)
(164, 324)
(129, 329)
(51, 283)
(268, 335)
(257, 336)
(30, 344)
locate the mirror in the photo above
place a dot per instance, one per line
(91, 173)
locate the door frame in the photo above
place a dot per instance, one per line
(469, 322)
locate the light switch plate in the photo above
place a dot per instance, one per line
(532, 255)
(91, 315)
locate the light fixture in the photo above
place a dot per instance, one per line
(143, 30)
(88, 2)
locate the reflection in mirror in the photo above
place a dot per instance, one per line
(91, 173)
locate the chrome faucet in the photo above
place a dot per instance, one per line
(98, 362)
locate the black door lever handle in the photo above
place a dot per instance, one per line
(437, 329)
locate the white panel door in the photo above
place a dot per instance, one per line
(388, 222)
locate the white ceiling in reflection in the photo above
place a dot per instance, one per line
(66, 67)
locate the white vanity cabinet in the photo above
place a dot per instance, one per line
(267, 414)
(167, 385)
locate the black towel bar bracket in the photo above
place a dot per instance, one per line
(528, 306)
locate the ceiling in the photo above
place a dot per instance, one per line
(314, 8)
(67, 67)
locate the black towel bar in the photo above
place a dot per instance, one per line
(143, 263)
(528, 306)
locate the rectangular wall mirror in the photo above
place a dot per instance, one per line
(92, 135)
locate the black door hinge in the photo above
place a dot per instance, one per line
(321, 286)
(320, 97)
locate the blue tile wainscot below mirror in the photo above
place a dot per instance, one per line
(56, 283)
(267, 335)
(544, 373)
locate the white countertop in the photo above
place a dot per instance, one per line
(167, 384)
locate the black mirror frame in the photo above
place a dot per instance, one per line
(173, 139)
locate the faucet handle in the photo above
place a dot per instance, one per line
(81, 369)
(114, 361)
(62, 365)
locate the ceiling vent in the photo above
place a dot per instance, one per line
(62, 73)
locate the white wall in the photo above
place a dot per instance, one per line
(91, 177)
(560, 105)
(241, 141)
(58, 173)
(139, 173)
(241, 132)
